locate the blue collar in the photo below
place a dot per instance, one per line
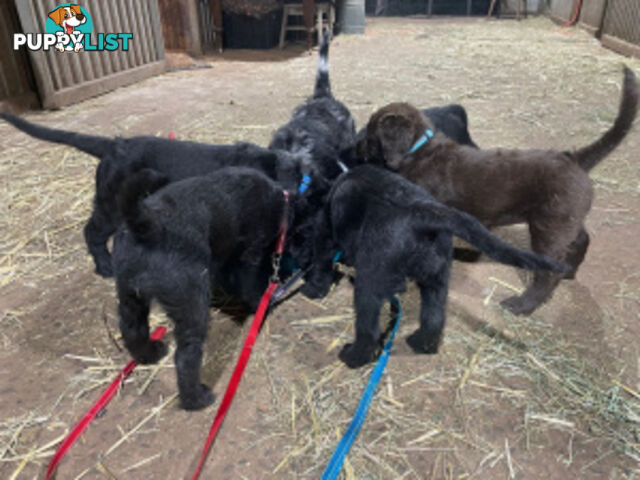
(304, 184)
(428, 135)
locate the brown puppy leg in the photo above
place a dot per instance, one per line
(577, 252)
(551, 237)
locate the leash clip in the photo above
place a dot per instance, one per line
(276, 259)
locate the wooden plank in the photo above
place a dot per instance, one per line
(107, 59)
(116, 57)
(16, 80)
(96, 87)
(155, 29)
(43, 74)
(139, 38)
(620, 46)
(146, 30)
(130, 25)
(7, 63)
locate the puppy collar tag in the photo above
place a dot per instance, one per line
(428, 135)
(304, 185)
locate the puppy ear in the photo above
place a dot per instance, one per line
(395, 134)
(76, 9)
(56, 15)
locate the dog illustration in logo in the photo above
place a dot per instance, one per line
(68, 18)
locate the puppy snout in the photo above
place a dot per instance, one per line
(80, 17)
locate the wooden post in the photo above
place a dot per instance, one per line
(216, 12)
(193, 40)
(308, 9)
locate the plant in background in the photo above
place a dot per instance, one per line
(252, 8)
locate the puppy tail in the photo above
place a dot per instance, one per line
(323, 87)
(589, 156)
(463, 225)
(137, 217)
(91, 144)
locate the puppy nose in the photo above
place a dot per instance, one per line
(80, 16)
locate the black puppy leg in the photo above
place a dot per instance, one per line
(577, 252)
(318, 281)
(191, 317)
(433, 295)
(368, 304)
(97, 232)
(253, 282)
(134, 326)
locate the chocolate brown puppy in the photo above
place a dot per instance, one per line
(549, 190)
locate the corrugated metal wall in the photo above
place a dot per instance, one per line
(621, 27)
(562, 10)
(71, 77)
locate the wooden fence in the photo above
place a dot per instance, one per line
(65, 78)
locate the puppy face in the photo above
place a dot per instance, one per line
(391, 132)
(68, 17)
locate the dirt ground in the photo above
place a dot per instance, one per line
(552, 396)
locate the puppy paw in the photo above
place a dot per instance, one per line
(104, 269)
(354, 356)
(152, 353)
(519, 305)
(312, 290)
(420, 343)
(201, 398)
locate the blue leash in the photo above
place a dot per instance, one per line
(335, 464)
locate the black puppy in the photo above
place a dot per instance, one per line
(181, 240)
(322, 128)
(452, 121)
(389, 229)
(122, 157)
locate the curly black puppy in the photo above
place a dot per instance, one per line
(388, 229)
(181, 240)
(550, 190)
(321, 130)
(122, 157)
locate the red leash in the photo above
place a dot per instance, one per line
(97, 408)
(575, 16)
(234, 381)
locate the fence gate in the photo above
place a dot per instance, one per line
(65, 78)
(621, 28)
(562, 11)
(17, 86)
(210, 24)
